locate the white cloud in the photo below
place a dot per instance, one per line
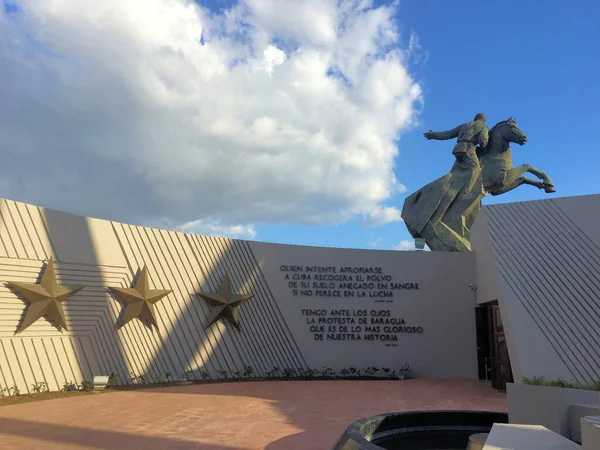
(271, 111)
(407, 245)
(214, 228)
(273, 57)
(382, 215)
(209, 226)
(375, 242)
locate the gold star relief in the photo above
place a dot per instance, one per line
(45, 298)
(139, 300)
(224, 304)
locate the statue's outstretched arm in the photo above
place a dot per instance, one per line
(442, 135)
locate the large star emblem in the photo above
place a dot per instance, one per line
(45, 298)
(139, 300)
(224, 304)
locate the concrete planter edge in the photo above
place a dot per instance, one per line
(547, 406)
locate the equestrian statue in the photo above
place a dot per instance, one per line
(443, 211)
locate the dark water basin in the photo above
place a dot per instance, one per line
(418, 430)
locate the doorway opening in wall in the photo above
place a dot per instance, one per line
(492, 351)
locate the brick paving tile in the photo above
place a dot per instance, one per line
(279, 415)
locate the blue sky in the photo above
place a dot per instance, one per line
(502, 58)
(509, 58)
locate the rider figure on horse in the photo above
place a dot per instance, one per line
(469, 135)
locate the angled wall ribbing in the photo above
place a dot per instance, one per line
(551, 267)
(188, 264)
(184, 263)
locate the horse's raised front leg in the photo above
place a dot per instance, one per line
(513, 179)
(548, 184)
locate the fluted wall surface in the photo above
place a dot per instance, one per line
(547, 256)
(99, 254)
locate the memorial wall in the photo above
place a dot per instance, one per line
(380, 308)
(81, 297)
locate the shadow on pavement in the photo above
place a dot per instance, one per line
(90, 438)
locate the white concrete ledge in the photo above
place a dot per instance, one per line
(100, 382)
(526, 437)
(547, 405)
(590, 433)
(576, 414)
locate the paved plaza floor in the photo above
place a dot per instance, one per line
(284, 415)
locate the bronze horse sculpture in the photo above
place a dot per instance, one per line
(443, 211)
(499, 175)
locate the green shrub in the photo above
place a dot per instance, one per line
(40, 386)
(113, 379)
(272, 373)
(541, 381)
(69, 386)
